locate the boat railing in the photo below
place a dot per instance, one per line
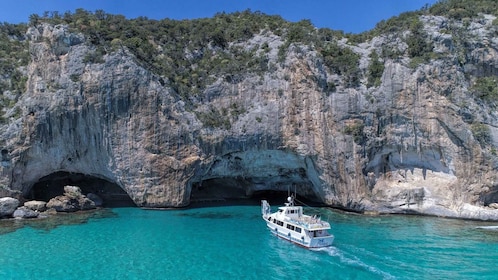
(311, 222)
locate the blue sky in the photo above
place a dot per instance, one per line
(348, 15)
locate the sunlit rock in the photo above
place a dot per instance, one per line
(7, 206)
(35, 205)
(408, 145)
(72, 200)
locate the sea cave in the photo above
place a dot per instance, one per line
(53, 184)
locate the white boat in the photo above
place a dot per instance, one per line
(291, 224)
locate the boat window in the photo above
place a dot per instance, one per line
(291, 227)
(298, 229)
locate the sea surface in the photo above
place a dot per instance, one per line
(232, 242)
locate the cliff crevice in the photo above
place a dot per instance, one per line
(418, 142)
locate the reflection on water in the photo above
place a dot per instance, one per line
(56, 220)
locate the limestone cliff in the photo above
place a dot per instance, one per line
(406, 145)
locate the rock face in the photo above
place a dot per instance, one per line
(405, 146)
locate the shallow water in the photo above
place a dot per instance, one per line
(232, 242)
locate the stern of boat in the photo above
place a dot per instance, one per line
(323, 241)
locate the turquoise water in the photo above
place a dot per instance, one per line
(232, 242)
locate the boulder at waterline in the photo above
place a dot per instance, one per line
(71, 201)
(7, 206)
(24, 212)
(62, 203)
(96, 199)
(36, 205)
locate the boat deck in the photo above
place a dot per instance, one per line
(309, 222)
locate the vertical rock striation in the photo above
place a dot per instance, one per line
(405, 146)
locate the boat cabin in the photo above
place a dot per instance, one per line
(294, 212)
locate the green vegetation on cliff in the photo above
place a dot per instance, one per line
(13, 56)
(481, 133)
(375, 70)
(461, 9)
(486, 88)
(191, 54)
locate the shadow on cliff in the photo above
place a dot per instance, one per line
(53, 185)
(276, 198)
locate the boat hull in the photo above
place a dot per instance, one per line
(317, 242)
(290, 223)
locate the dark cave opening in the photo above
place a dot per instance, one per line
(237, 190)
(490, 197)
(218, 190)
(53, 185)
(280, 197)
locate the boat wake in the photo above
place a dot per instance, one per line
(488, 227)
(352, 260)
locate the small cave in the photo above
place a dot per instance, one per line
(490, 197)
(251, 191)
(53, 185)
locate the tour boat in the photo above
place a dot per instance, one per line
(291, 224)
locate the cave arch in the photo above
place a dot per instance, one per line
(222, 189)
(256, 175)
(53, 184)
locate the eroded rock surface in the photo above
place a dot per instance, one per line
(7, 206)
(35, 205)
(72, 200)
(405, 146)
(24, 212)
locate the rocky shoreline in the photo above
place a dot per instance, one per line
(422, 141)
(71, 200)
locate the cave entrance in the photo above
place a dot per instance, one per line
(252, 191)
(53, 185)
(218, 190)
(275, 197)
